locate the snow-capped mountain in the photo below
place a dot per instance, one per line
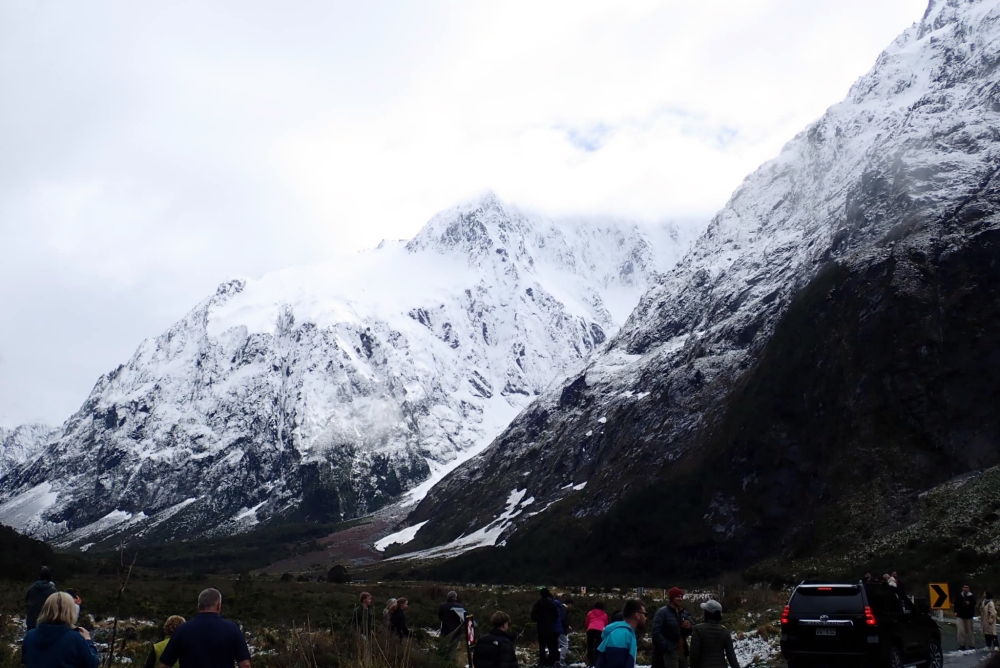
(18, 445)
(826, 349)
(324, 392)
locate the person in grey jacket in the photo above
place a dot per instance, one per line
(711, 642)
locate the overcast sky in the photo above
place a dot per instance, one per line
(150, 151)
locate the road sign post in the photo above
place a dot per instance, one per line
(940, 596)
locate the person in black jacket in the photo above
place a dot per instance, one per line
(398, 620)
(363, 619)
(545, 615)
(496, 648)
(36, 596)
(451, 614)
(965, 610)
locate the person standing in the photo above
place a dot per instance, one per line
(36, 596)
(208, 640)
(965, 610)
(55, 641)
(597, 620)
(563, 629)
(545, 615)
(451, 614)
(156, 651)
(989, 619)
(711, 642)
(390, 607)
(363, 618)
(496, 648)
(76, 599)
(671, 629)
(398, 620)
(618, 640)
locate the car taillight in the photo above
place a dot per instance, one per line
(869, 617)
(784, 615)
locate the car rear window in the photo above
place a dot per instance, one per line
(827, 601)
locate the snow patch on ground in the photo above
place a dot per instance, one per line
(402, 537)
(484, 537)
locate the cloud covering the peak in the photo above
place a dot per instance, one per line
(151, 152)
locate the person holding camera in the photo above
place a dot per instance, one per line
(56, 640)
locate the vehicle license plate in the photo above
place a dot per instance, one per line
(826, 632)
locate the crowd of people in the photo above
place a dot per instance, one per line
(612, 640)
(208, 640)
(53, 639)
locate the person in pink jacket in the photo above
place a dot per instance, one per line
(597, 619)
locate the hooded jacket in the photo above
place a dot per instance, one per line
(57, 646)
(35, 599)
(618, 646)
(495, 650)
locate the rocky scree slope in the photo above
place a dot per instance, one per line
(826, 350)
(324, 392)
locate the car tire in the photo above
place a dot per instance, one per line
(935, 657)
(894, 658)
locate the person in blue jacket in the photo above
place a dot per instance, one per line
(56, 642)
(618, 640)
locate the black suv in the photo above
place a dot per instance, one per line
(857, 625)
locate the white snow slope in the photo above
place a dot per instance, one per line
(326, 391)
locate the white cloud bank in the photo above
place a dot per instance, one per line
(153, 150)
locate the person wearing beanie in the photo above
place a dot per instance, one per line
(545, 615)
(711, 642)
(671, 629)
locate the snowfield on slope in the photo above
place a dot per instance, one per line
(328, 391)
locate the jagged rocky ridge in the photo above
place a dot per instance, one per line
(826, 350)
(19, 444)
(325, 392)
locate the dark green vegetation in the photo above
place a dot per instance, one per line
(242, 552)
(21, 557)
(881, 381)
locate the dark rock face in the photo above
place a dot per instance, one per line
(826, 351)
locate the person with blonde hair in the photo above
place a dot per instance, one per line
(390, 607)
(156, 651)
(56, 641)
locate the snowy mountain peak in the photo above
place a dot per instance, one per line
(328, 390)
(840, 276)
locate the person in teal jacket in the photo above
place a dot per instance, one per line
(618, 640)
(55, 642)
